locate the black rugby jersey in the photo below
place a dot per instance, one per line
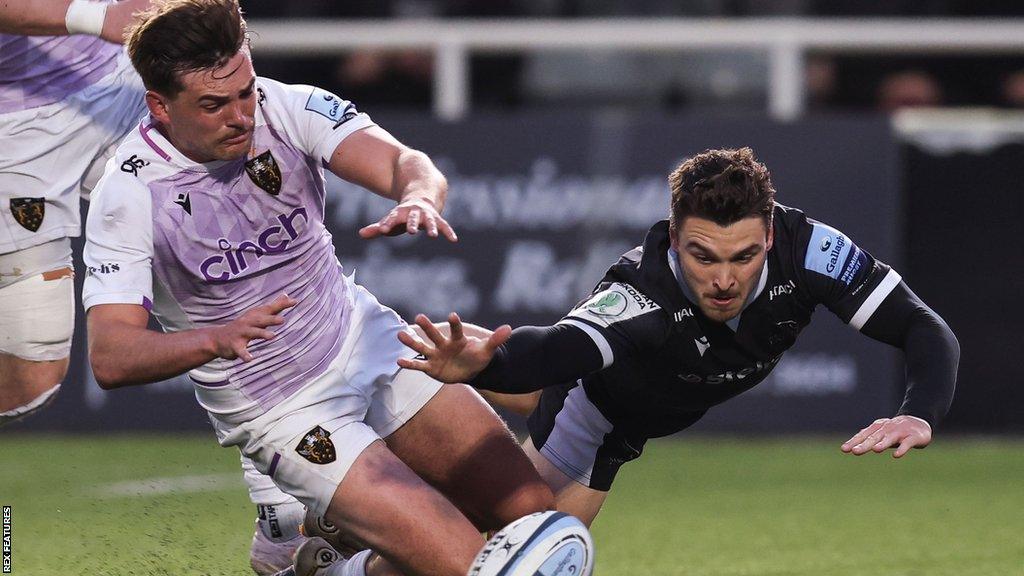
(663, 357)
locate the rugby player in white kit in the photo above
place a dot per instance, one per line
(68, 94)
(216, 228)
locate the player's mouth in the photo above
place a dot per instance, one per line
(235, 140)
(722, 301)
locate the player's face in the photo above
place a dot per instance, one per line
(214, 116)
(722, 264)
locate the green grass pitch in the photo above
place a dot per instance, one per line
(142, 505)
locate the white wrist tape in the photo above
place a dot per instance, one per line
(85, 17)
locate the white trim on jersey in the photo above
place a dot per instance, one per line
(607, 356)
(874, 300)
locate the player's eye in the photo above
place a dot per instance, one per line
(703, 259)
(247, 94)
(211, 107)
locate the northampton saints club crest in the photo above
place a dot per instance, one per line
(316, 446)
(29, 212)
(264, 172)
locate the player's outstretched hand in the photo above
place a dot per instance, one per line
(904, 432)
(232, 340)
(453, 359)
(409, 217)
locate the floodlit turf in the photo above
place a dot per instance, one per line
(700, 507)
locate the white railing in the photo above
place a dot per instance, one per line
(786, 40)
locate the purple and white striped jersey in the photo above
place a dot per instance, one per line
(199, 244)
(40, 70)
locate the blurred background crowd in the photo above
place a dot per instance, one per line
(729, 80)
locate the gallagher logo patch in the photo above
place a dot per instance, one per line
(828, 251)
(316, 446)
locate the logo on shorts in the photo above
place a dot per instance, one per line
(316, 446)
(133, 164)
(29, 212)
(265, 173)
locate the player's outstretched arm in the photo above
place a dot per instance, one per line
(123, 352)
(932, 356)
(58, 17)
(375, 160)
(518, 361)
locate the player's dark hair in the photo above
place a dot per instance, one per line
(174, 37)
(724, 186)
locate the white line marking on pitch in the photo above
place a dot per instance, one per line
(170, 485)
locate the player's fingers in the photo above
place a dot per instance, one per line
(412, 221)
(371, 231)
(888, 440)
(430, 330)
(455, 326)
(447, 230)
(499, 337)
(869, 442)
(415, 343)
(242, 353)
(430, 224)
(388, 222)
(414, 364)
(281, 303)
(860, 436)
(905, 445)
(265, 320)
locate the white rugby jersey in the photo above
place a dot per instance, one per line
(199, 244)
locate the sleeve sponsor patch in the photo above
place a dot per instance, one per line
(330, 106)
(833, 254)
(616, 303)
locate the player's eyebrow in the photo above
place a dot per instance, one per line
(695, 245)
(221, 99)
(748, 251)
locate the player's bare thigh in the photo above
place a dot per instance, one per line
(458, 444)
(384, 504)
(23, 380)
(571, 497)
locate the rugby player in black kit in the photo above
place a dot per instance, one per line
(701, 312)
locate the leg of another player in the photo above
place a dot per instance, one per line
(571, 497)
(26, 386)
(460, 446)
(417, 530)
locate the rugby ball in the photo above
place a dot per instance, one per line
(541, 544)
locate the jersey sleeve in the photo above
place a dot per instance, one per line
(839, 274)
(313, 118)
(118, 243)
(621, 320)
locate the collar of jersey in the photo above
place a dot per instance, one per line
(673, 263)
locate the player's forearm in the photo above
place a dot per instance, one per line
(537, 357)
(417, 177)
(932, 357)
(33, 17)
(123, 355)
(931, 351)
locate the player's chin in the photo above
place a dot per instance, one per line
(719, 314)
(233, 149)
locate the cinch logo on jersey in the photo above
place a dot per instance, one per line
(732, 375)
(232, 260)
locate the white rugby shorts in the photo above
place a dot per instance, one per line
(58, 151)
(37, 316)
(308, 442)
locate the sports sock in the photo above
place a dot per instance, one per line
(354, 566)
(280, 522)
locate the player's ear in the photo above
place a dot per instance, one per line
(673, 237)
(157, 104)
(771, 237)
